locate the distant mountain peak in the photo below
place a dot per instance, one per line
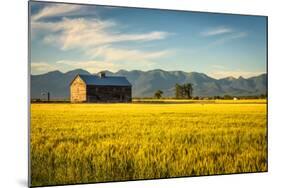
(121, 71)
(54, 72)
(77, 71)
(145, 83)
(229, 78)
(160, 70)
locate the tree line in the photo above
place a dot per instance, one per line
(183, 91)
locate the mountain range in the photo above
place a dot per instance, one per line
(145, 83)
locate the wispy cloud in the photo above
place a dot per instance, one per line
(42, 67)
(228, 38)
(114, 59)
(83, 33)
(217, 31)
(56, 10)
(127, 55)
(92, 66)
(223, 40)
(94, 38)
(224, 33)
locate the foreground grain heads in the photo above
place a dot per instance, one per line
(80, 143)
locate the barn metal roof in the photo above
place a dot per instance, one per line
(105, 81)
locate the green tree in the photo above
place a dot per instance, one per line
(183, 91)
(227, 97)
(189, 90)
(158, 94)
(178, 91)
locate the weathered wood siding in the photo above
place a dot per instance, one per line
(78, 90)
(109, 94)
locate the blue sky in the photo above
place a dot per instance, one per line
(66, 37)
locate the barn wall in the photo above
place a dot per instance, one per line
(109, 94)
(78, 91)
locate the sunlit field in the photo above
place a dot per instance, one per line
(80, 143)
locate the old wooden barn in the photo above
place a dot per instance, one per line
(100, 88)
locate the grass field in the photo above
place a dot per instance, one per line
(80, 143)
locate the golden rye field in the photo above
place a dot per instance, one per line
(80, 143)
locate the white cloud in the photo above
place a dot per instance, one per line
(94, 38)
(221, 41)
(217, 31)
(81, 33)
(42, 67)
(68, 65)
(228, 38)
(228, 34)
(118, 54)
(89, 65)
(56, 10)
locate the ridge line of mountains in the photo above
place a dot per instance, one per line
(145, 83)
